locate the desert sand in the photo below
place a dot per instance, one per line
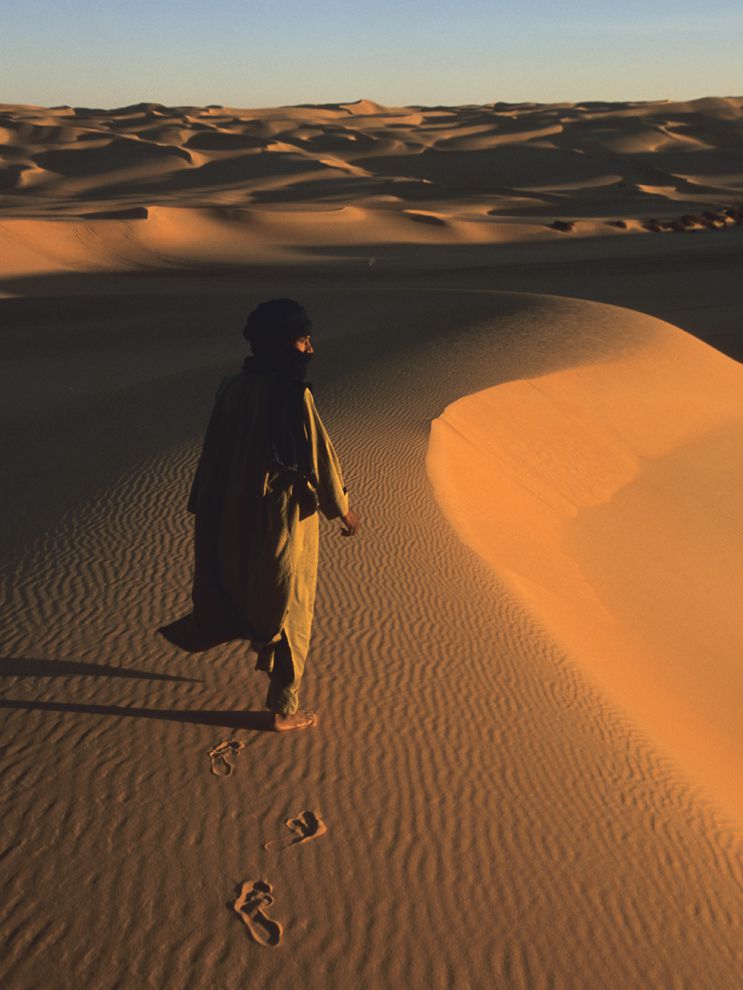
(527, 664)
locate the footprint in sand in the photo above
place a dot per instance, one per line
(307, 825)
(223, 755)
(252, 898)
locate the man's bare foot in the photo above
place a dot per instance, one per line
(299, 720)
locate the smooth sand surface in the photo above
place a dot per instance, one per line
(496, 812)
(608, 497)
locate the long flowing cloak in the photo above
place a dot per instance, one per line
(256, 523)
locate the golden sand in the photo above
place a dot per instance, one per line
(524, 775)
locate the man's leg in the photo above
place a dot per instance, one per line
(283, 689)
(291, 651)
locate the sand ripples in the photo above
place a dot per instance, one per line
(491, 820)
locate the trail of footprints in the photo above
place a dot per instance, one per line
(254, 896)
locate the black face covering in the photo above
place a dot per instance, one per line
(289, 363)
(298, 363)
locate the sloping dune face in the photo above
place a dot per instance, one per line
(487, 173)
(607, 497)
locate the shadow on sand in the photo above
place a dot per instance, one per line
(256, 721)
(38, 667)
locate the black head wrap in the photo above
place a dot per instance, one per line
(272, 326)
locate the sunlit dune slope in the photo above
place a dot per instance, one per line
(607, 496)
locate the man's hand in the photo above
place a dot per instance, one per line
(352, 522)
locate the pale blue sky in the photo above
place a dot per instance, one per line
(107, 53)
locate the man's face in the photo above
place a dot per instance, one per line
(303, 344)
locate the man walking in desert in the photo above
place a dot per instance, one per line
(266, 468)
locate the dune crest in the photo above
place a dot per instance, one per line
(607, 497)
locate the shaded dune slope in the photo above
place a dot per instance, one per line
(492, 819)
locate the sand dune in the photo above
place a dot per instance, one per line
(613, 510)
(516, 167)
(491, 820)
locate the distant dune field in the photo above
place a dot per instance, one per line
(149, 185)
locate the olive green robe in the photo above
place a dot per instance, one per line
(256, 531)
